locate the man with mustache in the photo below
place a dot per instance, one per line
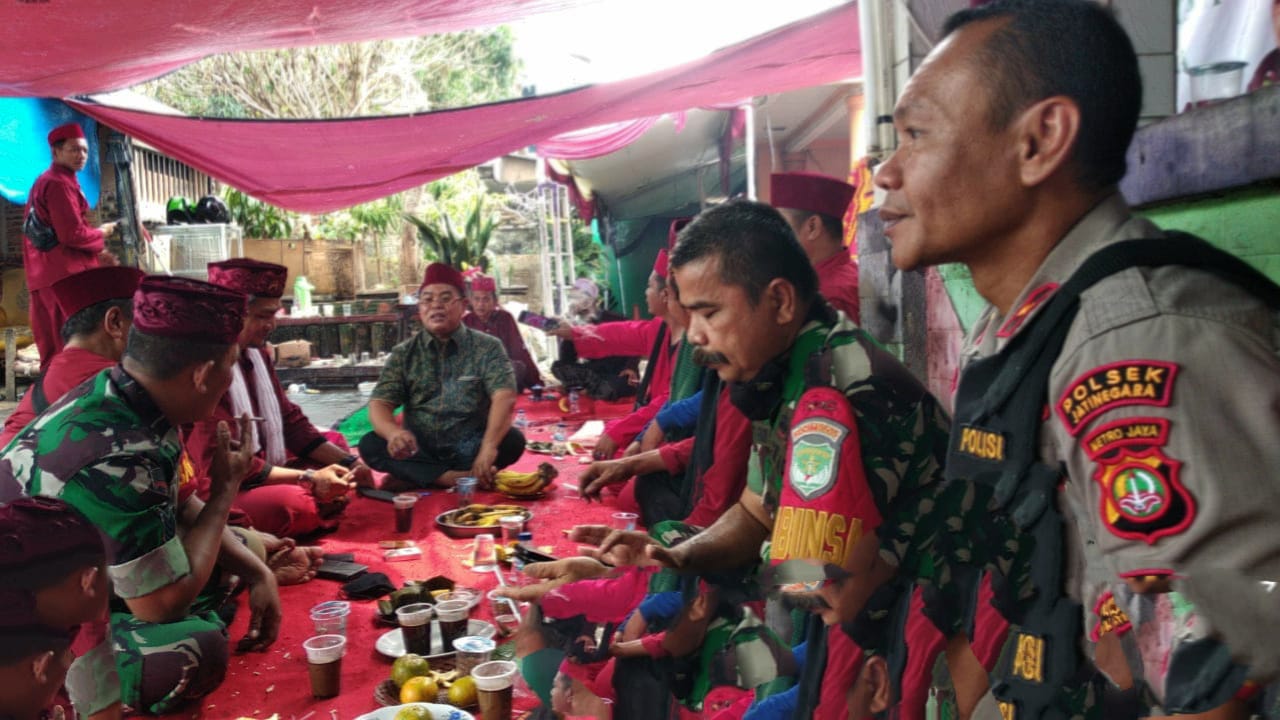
(1117, 409)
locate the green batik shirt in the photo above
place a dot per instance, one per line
(105, 449)
(446, 387)
(902, 430)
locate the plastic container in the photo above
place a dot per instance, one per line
(521, 421)
(472, 650)
(1215, 81)
(302, 296)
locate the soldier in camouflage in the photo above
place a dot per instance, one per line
(110, 449)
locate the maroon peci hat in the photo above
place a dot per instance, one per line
(90, 287)
(65, 132)
(252, 277)
(176, 307)
(811, 192)
(441, 274)
(483, 283)
(661, 264)
(41, 540)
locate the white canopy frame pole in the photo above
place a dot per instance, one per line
(749, 138)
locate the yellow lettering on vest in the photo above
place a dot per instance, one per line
(783, 528)
(834, 539)
(1028, 662)
(811, 524)
(982, 443)
(1007, 711)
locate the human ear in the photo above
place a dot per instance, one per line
(40, 667)
(783, 296)
(1047, 136)
(877, 671)
(200, 375)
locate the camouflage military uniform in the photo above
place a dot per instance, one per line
(106, 450)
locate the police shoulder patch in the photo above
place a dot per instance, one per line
(1111, 619)
(1128, 382)
(1018, 317)
(815, 456)
(1141, 496)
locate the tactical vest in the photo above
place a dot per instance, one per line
(1000, 404)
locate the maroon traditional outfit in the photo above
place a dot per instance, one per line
(830, 198)
(73, 365)
(721, 483)
(60, 204)
(285, 434)
(501, 325)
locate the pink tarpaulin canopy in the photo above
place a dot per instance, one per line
(323, 165)
(70, 47)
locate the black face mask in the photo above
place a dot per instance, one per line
(759, 397)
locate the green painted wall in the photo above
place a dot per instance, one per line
(1244, 222)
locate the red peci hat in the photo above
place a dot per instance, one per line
(175, 307)
(90, 287)
(661, 264)
(254, 278)
(483, 283)
(441, 274)
(811, 192)
(65, 132)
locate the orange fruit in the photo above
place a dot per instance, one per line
(409, 666)
(462, 693)
(419, 689)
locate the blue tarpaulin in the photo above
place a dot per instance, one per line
(24, 152)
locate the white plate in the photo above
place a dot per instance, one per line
(391, 642)
(438, 712)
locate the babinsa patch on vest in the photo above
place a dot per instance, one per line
(815, 456)
(1129, 382)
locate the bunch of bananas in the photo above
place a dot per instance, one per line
(525, 484)
(477, 515)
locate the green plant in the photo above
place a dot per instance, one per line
(256, 218)
(441, 242)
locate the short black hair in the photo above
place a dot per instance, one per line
(1073, 48)
(86, 321)
(164, 357)
(755, 245)
(833, 225)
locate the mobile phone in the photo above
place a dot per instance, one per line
(340, 557)
(376, 494)
(339, 570)
(404, 553)
(529, 555)
(535, 320)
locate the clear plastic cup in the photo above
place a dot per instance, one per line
(484, 556)
(404, 505)
(469, 595)
(623, 520)
(494, 683)
(466, 489)
(415, 627)
(324, 664)
(452, 615)
(471, 651)
(511, 525)
(346, 309)
(330, 619)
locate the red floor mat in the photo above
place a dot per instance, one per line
(259, 685)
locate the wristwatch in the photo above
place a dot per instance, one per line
(308, 479)
(349, 461)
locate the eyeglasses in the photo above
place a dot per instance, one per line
(445, 299)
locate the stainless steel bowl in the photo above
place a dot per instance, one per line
(444, 520)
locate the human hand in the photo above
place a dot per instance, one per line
(361, 474)
(552, 575)
(330, 483)
(106, 259)
(564, 331)
(602, 473)
(231, 464)
(652, 438)
(605, 448)
(403, 444)
(632, 449)
(624, 547)
(264, 618)
(108, 228)
(633, 377)
(483, 469)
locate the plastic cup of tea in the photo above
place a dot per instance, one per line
(466, 489)
(330, 619)
(472, 650)
(494, 682)
(452, 615)
(484, 556)
(469, 595)
(512, 525)
(404, 505)
(415, 626)
(623, 520)
(324, 664)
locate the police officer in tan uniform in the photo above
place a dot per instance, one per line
(1163, 405)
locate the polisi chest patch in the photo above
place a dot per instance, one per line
(1129, 382)
(982, 444)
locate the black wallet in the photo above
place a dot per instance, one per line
(340, 570)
